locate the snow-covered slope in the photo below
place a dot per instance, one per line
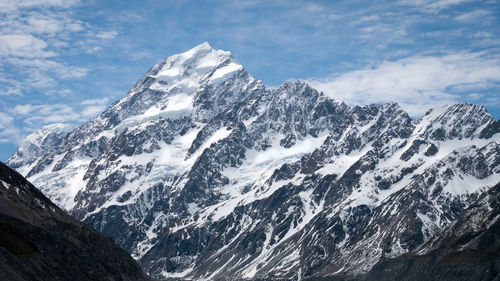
(201, 172)
(468, 249)
(37, 143)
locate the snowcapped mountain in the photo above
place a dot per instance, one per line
(202, 173)
(37, 144)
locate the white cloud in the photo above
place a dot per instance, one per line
(23, 45)
(382, 34)
(368, 18)
(483, 34)
(11, 91)
(432, 6)
(44, 73)
(9, 5)
(417, 82)
(93, 107)
(125, 16)
(474, 96)
(106, 34)
(92, 50)
(95, 101)
(9, 133)
(138, 55)
(22, 119)
(35, 36)
(314, 7)
(472, 16)
(37, 23)
(92, 110)
(38, 115)
(40, 80)
(389, 31)
(23, 109)
(72, 72)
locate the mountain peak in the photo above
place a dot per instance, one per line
(37, 143)
(454, 108)
(203, 46)
(459, 120)
(175, 87)
(195, 63)
(199, 64)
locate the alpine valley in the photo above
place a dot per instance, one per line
(202, 173)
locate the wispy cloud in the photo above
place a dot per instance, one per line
(416, 82)
(61, 70)
(432, 6)
(24, 45)
(93, 107)
(34, 37)
(9, 6)
(47, 23)
(106, 34)
(46, 114)
(473, 15)
(35, 116)
(95, 101)
(9, 132)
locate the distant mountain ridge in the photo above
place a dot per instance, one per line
(201, 172)
(468, 249)
(37, 144)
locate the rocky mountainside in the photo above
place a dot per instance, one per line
(37, 144)
(201, 172)
(468, 249)
(38, 241)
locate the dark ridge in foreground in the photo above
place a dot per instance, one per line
(38, 241)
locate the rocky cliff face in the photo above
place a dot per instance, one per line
(38, 241)
(37, 144)
(468, 249)
(201, 172)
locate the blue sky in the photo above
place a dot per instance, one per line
(66, 60)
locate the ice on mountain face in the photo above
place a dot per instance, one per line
(224, 72)
(371, 194)
(340, 164)
(438, 122)
(62, 186)
(461, 120)
(176, 106)
(36, 144)
(259, 165)
(38, 136)
(257, 168)
(188, 70)
(467, 184)
(178, 87)
(471, 174)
